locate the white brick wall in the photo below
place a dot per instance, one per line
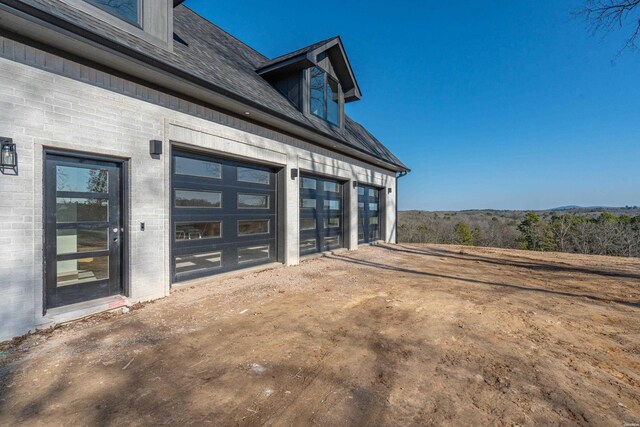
(51, 102)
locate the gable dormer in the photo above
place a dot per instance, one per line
(317, 79)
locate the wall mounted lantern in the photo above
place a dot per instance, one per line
(390, 190)
(355, 184)
(155, 147)
(294, 173)
(8, 156)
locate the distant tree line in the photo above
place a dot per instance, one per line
(602, 234)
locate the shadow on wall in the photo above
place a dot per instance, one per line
(16, 306)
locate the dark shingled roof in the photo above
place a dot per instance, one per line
(210, 54)
(295, 53)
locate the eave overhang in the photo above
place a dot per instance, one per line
(35, 25)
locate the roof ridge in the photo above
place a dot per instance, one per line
(302, 49)
(223, 30)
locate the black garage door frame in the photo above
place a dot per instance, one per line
(368, 196)
(320, 236)
(223, 251)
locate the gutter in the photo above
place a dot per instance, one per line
(400, 175)
(65, 28)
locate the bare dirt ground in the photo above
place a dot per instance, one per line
(394, 335)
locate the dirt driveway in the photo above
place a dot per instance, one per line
(395, 335)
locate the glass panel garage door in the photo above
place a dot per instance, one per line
(368, 214)
(223, 215)
(321, 214)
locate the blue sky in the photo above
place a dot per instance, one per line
(492, 104)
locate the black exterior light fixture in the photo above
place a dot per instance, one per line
(294, 173)
(355, 184)
(155, 147)
(8, 156)
(390, 190)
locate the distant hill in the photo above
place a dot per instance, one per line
(594, 208)
(569, 209)
(566, 208)
(626, 210)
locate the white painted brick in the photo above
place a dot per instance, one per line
(41, 109)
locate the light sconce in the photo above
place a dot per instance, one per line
(355, 184)
(390, 190)
(8, 156)
(294, 173)
(155, 147)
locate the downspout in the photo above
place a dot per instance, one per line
(400, 175)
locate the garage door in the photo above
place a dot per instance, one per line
(223, 215)
(321, 214)
(368, 214)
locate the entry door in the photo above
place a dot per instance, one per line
(368, 214)
(83, 230)
(321, 214)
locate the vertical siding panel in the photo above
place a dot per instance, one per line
(8, 48)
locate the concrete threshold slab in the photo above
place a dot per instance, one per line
(68, 313)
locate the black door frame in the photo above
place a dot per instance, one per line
(365, 225)
(123, 164)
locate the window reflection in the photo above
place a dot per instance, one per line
(333, 222)
(254, 253)
(81, 210)
(129, 10)
(308, 245)
(198, 199)
(255, 176)
(308, 203)
(333, 187)
(333, 205)
(317, 92)
(307, 224)
(81, 180)
(247, 228)
(78, 240)
(253, 201)
(196, 262)
(196, 167)
(309, 183)
(324, 97)
(332, 242)
(198, 230)
(74, 272)
(333, 102)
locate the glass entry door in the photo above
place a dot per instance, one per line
(83, 230)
